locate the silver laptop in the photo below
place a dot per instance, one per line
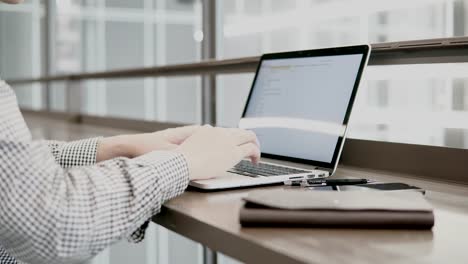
(299, 106)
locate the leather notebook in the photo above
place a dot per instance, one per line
(353, 209)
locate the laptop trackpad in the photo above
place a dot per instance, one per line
(230, 180)
(226, 177)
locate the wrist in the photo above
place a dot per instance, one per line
(112, 147)
(189, 161)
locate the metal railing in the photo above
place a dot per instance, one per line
(444, 50)
(425, 161)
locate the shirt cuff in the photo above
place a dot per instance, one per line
(78, 153)
(175, 169)
(173, 166)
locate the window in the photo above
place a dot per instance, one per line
(21, 47)
(410, 103)
(418, 104)
(108, 35)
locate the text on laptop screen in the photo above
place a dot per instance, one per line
(298, 105)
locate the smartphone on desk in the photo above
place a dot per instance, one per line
(392, 186)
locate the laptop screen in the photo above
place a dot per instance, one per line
(298, 106)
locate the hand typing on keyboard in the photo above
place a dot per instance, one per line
(210, 151)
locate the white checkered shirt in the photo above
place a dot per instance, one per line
(58, 206)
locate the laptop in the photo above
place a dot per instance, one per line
(299, 106)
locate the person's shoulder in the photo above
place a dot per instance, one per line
(6, 92)
(4, 85)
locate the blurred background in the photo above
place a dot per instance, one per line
(418, 104)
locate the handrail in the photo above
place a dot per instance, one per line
(443, 50)
(239, 65)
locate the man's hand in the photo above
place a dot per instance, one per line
(211, 151)
(131, 146)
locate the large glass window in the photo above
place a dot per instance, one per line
(21, 49)
(419, 104)
(108, 35)
(412, 104)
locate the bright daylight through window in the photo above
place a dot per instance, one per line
(411, 104)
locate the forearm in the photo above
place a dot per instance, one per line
(93, 150)
(112, 147)
(90, 151)
(69, 215)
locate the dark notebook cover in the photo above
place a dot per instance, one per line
(303, 208)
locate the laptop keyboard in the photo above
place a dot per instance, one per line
(246, 168)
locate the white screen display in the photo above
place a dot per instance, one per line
(298, 105)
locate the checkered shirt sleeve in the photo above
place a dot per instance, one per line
(83, 153)
(5, 258)
(67, 214)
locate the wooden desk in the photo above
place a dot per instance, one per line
(212, 219)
